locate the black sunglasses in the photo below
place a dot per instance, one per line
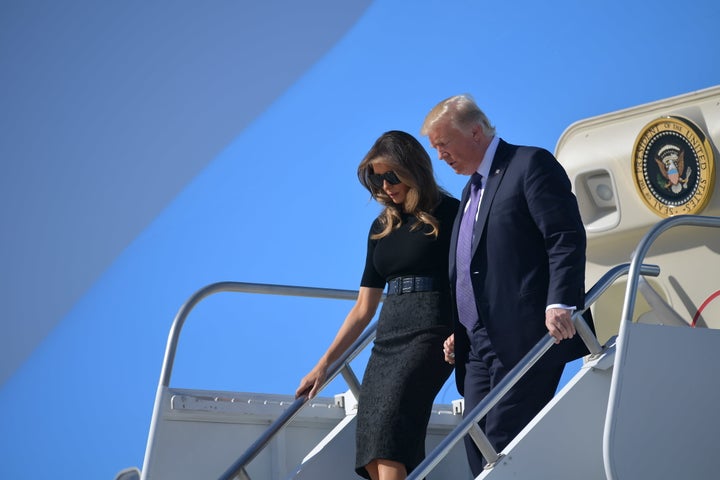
(376, 179)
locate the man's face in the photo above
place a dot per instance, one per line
(463, 151)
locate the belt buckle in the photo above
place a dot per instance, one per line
(408, 285)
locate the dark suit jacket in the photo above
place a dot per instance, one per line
(528, 253)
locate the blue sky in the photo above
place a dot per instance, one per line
(276, 200)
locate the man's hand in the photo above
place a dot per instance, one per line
(559, 323)
(449, 349)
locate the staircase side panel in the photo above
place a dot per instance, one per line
(564, 441)
(664, 421)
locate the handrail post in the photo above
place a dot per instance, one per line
(483, 444)
(351, 379)
(583, 329)
(241, 475)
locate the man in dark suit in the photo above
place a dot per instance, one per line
(517, 267)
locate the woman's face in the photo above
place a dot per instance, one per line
(398, 192)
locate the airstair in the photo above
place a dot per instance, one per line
(199, 434)
(641, 406)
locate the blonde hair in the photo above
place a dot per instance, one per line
(405, 156)
(462, 112)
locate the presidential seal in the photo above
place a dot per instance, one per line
(673, 166)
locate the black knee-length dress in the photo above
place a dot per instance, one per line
(406, 369)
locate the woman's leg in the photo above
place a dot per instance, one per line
(382, 469)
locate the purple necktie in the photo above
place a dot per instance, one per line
(467, 311)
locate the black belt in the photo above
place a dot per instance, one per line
(410, 284)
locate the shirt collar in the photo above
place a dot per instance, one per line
(484, 168)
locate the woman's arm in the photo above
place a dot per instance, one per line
(354, 324)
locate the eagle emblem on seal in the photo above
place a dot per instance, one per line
(671, 162)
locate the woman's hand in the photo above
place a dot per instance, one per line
(311, 383)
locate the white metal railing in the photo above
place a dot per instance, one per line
(340, 366)
(629, 305)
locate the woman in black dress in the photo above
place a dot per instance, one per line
(408, 248)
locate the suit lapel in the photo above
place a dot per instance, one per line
(497, 171)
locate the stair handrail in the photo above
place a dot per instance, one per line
(237, 469)
(341, 365)
(643, 247)
(470, 422)
(637, 258)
